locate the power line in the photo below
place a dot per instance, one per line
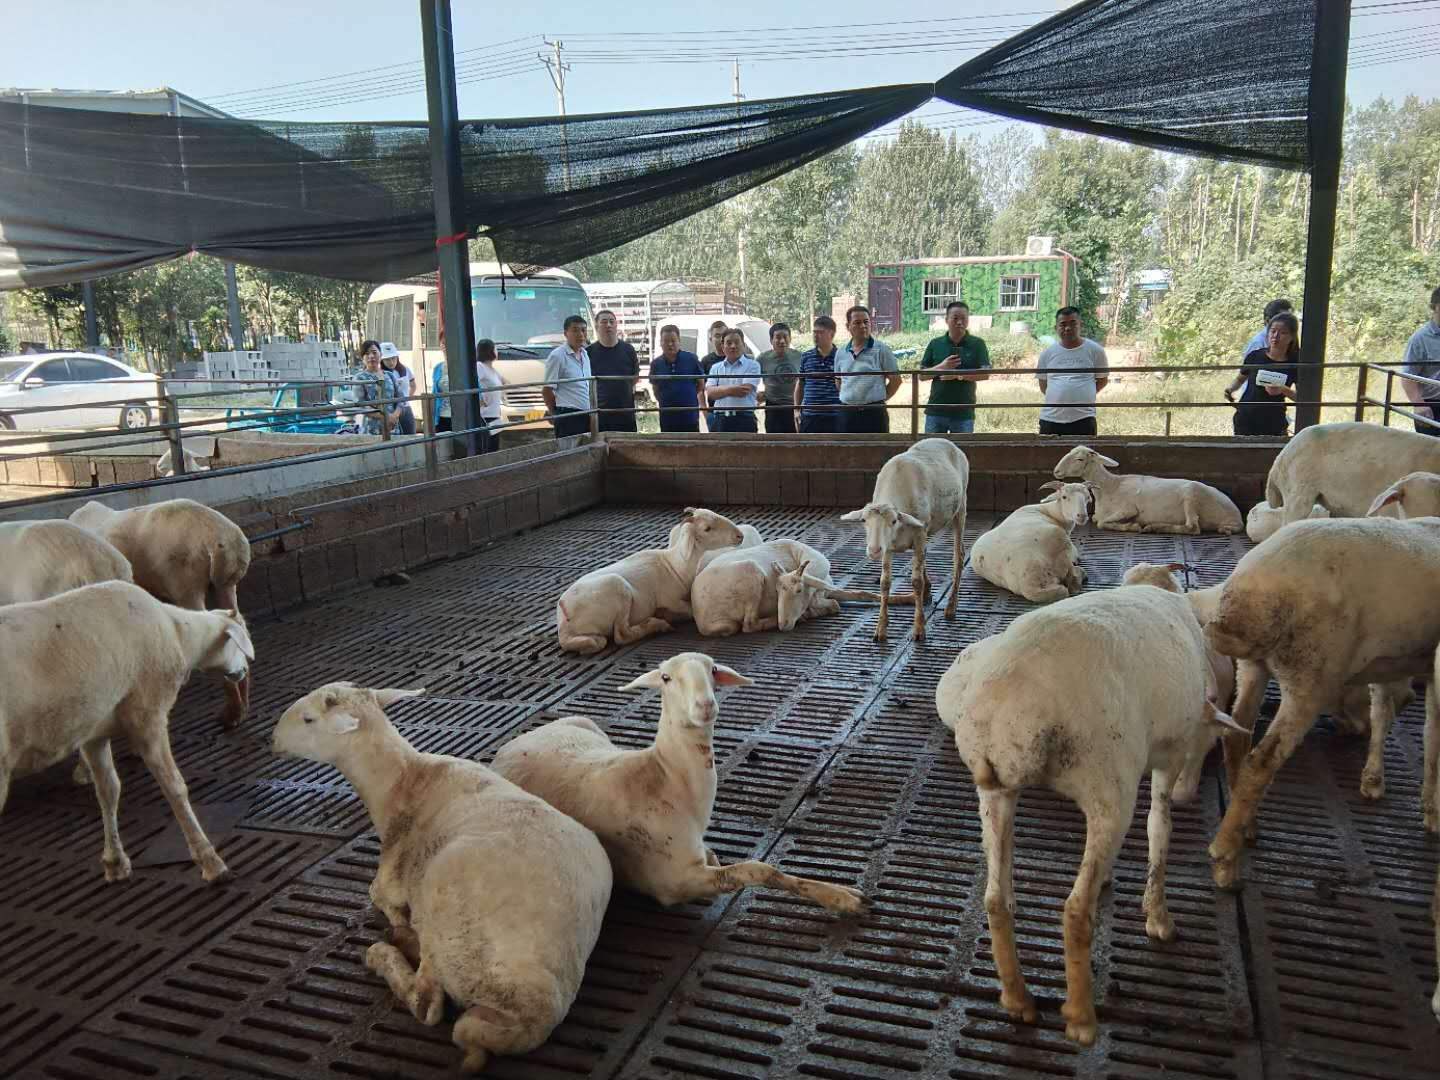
(306, 104)
(1396, 58)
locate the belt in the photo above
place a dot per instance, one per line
(734, 412)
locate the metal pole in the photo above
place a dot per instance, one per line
(1360, 392)
(232, 303)
(1327, 119)
(92, 319)
(451, 229)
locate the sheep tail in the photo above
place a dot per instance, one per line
(1243, 631)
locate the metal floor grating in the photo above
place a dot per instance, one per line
(834, 765)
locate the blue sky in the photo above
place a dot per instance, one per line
(213, 50)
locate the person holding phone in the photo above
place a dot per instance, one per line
(955, 361)
(1268, 378)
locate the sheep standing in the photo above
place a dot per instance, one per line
(1150, 504)
(651, 808)
(104, 660)
(1264, 519)
(1323, 605)
(1344, 466)
(767, 587)
(644, 593)
(183, 553)
(1414, 495)
(1030, 552)
(45, 558)
(917, 494)
(494, 899)
(1082, 697)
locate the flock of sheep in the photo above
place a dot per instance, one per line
(495, 880)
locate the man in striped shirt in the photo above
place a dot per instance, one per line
(815, 393)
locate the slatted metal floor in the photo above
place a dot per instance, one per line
(834, 766)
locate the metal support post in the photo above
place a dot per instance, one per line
(914, 405)
(451, 229)
(1360, 392)
(92, 317)
(427, 428)
(232, 305)
(1389, 397)
(1327, 119)
(170, 411)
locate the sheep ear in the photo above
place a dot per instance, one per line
(688, 513)
(649, 681)
(342, 723)
(1223, 720)
(1051, 485)
(914, 523)
(1177, 568)
(236, 632)
(1109, 463)
(853, 515)
(804, 566)
(1395, 495)
(386, 698)
(725, 676)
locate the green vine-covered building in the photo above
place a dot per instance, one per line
(910, 295)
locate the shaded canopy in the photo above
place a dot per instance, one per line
(84, 194)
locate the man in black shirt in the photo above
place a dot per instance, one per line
(611, 356)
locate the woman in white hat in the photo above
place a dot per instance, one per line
(398, 378)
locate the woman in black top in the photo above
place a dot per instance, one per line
(1261, 407)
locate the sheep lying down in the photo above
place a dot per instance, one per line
(1153, 504)
(494, 899)
(1031, 553)
(768, 586)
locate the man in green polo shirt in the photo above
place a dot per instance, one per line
(956, 361)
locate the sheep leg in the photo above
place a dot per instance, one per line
(107, 793)
(1047, 594)
(417, 989)
(957, 529)
(1299, 709)
(1435, 918)
(920, 585)
(882, 623)
(408, 942)
(1251, 680)
(1158, 923)
(997, 824)
(237, 703)
(1428, 793)
(387, 894)
(1382, 715)
(4, 784)
(753, 622)
(1104, 832)
(626, 632)
(702, 882)
(154, 747)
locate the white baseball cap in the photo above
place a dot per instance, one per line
(388, 349)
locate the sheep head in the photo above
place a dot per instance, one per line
(319, 726)
(704, 530)
(687, 684)
(1074, 500)
(1411, 496)
(1083, 463)
(231, 651)
(1145, 573)
(792, 593)
(883, 524)
(92, 516)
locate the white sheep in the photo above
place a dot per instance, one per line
(494, 899)
(1322, 605)
(184, 553)
(917, 494)
(45, 558)
(749, 537)
(1344, 466)
(651, 808)
(193, 463)
(643, 593)
(104, 660)
(1152, 504)
(771, 586)
(1414, 495)
(1264, 519)
(1083, 697)
(1031, 553)
(1430, 802)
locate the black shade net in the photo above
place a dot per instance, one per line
(86, 193)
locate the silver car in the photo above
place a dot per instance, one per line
(84, 390)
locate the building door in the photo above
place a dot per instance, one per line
(885, 304)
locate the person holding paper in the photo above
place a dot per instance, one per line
(1268, 378)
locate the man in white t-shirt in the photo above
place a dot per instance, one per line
(1071, 372)
(567, 382)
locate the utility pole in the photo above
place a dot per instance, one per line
(232, 303)
(557, 68)
(742, 202)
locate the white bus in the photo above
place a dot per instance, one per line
(525, 324)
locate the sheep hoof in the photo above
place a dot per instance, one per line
(1432, 818)
(429, 1004)
(214, 870)
(1082, 1032)
(1372, 785)
(711, 859)
(1160, 927)
(1020, 1007)
(1225, 871)
(116, 869)
(844, 900)
(475, 1060)
(879, 635)
(81, 775)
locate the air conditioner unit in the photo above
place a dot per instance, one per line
(1039, 245)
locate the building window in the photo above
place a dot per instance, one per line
(938, 293)
(1018, 293)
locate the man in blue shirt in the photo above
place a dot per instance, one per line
(815, 392)
(1422, 358)
(732, 387)
(1261, 340)
(873, 376)
(676, 378)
